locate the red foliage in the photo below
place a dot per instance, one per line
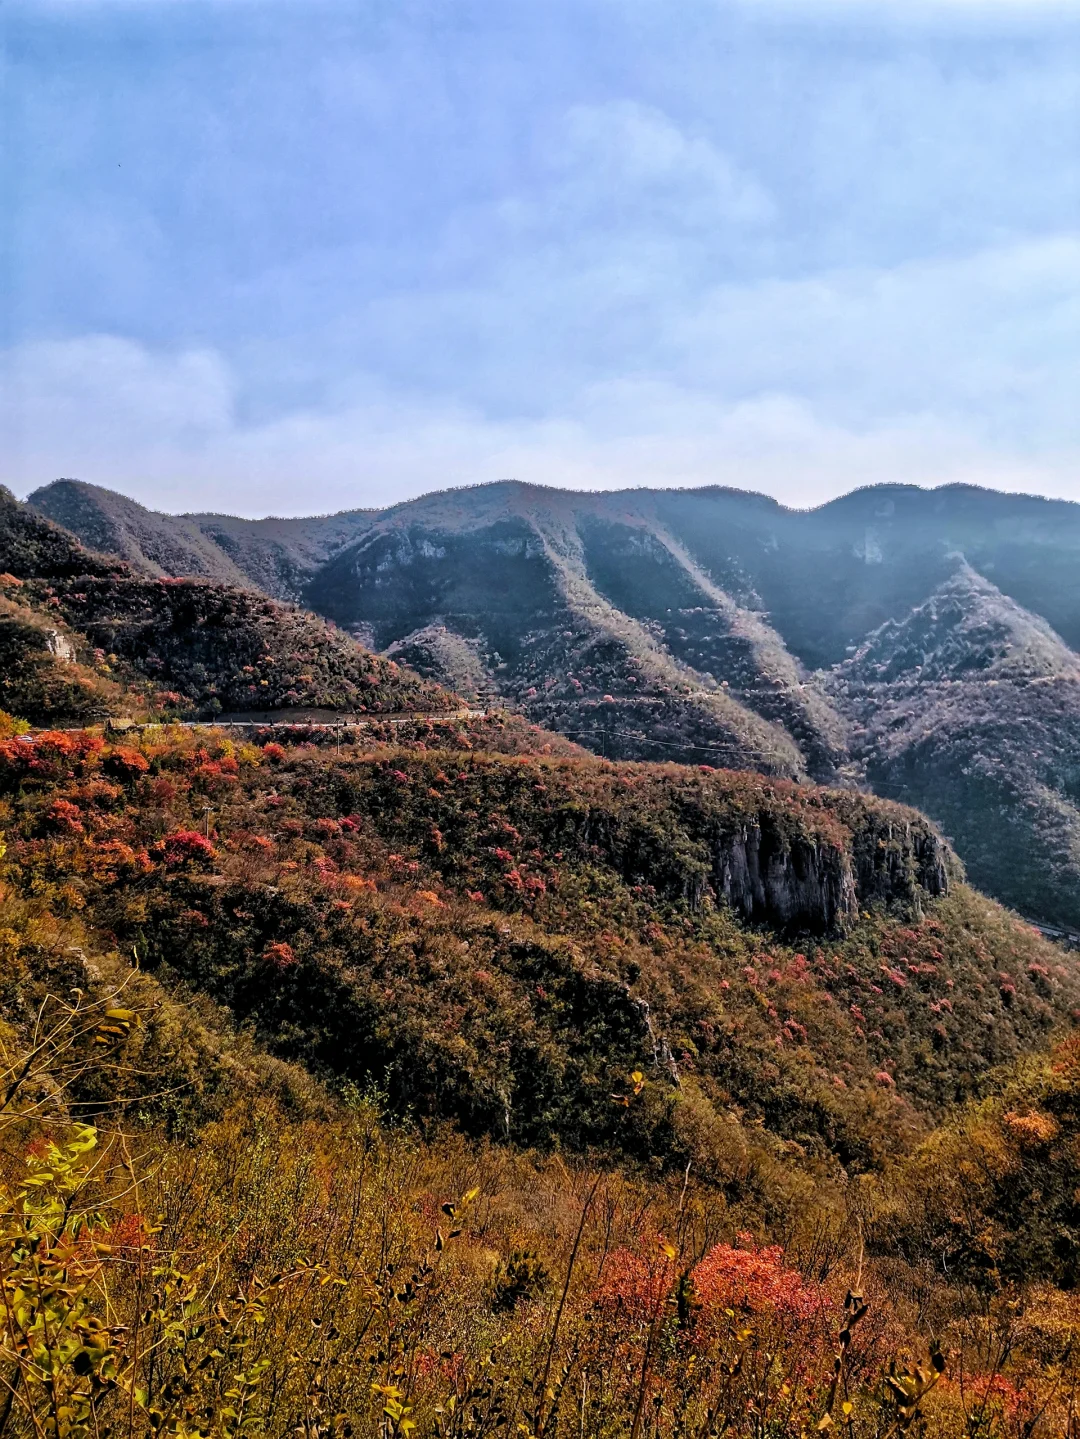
(126, 763)
(57, 741)
(49, 755)
(279, 955)
(755, 1280)
(163, 790)
(184, 845)
(65, 816)
(129, 1236)
(993, 1394)
(112, 858)
(747, 1279)
(635, 1285)
(95, 792)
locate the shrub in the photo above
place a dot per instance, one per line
(186, 846)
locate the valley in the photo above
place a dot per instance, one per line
(388, 1049)
(917, 643)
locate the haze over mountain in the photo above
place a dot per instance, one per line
(921, 642)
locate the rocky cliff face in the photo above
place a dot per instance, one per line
(801, 885)
(918, 643)
(899, 859)
(802, 882)
(794, 858)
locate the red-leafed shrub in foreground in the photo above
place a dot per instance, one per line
(756, 1281)
(635, 1285)
(745, 1279)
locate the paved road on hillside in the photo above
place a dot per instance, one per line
(258, 722)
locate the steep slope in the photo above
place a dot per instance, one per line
(652, 577)
(516, 579)
(970, 708)
(204, 1202)
(680, 624)
(275, 555)
(280, 555)
(652, 1021)
(825, 577)
(829, 576)
(966, 629)
(992, 1197)
(495, 626)
(49, 672)
(85, 635)
(502, 939)
(155, 544)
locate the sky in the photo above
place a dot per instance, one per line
(272, 257)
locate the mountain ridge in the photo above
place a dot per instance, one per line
(83, 635)
(906, 640)
(709, 1048)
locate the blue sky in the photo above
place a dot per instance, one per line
(262, 257)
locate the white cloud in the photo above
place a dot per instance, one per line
(779, 258)
(164, 429)
(627, 161)
(991, 340)
(988, 343)
(87, 390)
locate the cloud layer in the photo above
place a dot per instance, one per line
(260, 264)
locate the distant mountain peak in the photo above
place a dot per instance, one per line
(965, 629)
(921, 641)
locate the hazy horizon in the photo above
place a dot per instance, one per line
(290, 258)
(299, 514)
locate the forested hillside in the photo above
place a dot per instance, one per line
(917, 642)
(684, 1024)
(83, 636)
(439, 1077)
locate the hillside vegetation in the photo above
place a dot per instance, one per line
(439, 1078)
(449, 1081)
(499, 939)
(84, 636)
(684, 1022)
(277, 556)
(916, 642)
(970, 709)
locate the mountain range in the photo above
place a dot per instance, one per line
(724, 1067)
(918, 643)
(84, 636)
